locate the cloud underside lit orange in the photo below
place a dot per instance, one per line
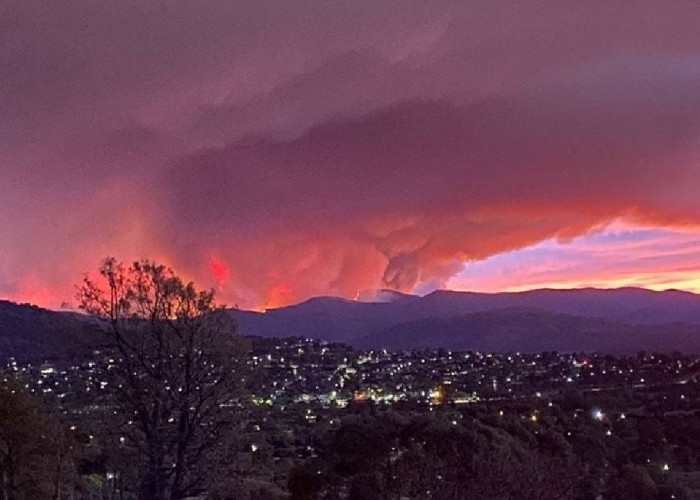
(473, 145)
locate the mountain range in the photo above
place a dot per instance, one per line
(624, 320)
(617, 320)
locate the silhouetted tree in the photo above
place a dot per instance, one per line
(176, 376)
(35, 452)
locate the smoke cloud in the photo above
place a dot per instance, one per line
(279, 150)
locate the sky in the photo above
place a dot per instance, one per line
(278, 150)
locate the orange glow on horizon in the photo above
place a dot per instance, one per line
(655, 282)
(36, 292)
(620, 255)
(279, 295)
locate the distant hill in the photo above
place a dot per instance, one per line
(383, 324)
(30, 333)
(634, 305)
(532, 330)
(619, 320)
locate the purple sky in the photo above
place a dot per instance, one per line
(616, 256)
(283, 149)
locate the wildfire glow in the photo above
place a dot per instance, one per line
(220, 271)
(279, 295)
